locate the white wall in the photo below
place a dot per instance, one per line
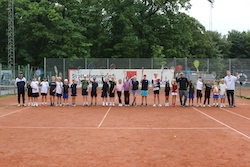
(167, 74)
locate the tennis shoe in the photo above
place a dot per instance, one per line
(154, 105)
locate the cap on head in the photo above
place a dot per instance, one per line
(181, 73)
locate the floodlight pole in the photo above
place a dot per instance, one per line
(11, 38)
(211, 15)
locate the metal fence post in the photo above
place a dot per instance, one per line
(64, 68)
(129, 63)
(86, 63)
(186, 64)
(152, 63)
(208, 66)
(229, 64)
(44, 68)
(107, 63)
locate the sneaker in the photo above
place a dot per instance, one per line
(154, 105)
(18, 105)
(146, 105)
(173, 105)
(24, 105)
(141, 104)
(204, 105)
(165, 104)
(159, 105)
(209, 106)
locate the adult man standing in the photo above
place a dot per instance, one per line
(20, 84)
(183, 85)
(230, 82)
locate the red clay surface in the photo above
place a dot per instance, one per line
(124, 136)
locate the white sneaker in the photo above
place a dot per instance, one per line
(18, 105)
(209, 106)
(154, 105)
(204, 105)
(159, 105)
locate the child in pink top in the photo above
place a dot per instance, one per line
(119, 90)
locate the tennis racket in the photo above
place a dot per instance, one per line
(60, 75)
(90, 67)
(102, 70)
(111, 67)
(162, 70)
(56, 70)
(178, 68)
(214, 74)
(197, 64)
(142, 72)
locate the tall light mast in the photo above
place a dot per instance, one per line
(11, 37)
(211, 14)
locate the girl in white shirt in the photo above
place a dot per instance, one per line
(59, 86)
(35, 91)
(199, 87)
(222, 91)
(44, 91)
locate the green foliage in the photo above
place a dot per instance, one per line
(114, 29)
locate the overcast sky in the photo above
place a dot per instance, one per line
(226, 14)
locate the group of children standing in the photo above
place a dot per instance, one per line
(56, 89)
(59, 91)
(217, 90)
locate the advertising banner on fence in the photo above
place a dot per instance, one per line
(77, 74)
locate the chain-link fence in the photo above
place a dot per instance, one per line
(211, 68)
(208, 68)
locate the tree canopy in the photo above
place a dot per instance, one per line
(117, 29)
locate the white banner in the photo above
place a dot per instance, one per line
(166, 75)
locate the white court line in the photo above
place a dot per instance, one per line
(114, 128)
(14, 112)
(248, 137)
(242, 116)
(100, 124)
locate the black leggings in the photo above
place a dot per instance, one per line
(126, 97)
(19, 93)
(119, 93)
(207, 99)
(230, 97)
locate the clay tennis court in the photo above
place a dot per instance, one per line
(124, 136)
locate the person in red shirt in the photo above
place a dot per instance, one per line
(174, 91)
